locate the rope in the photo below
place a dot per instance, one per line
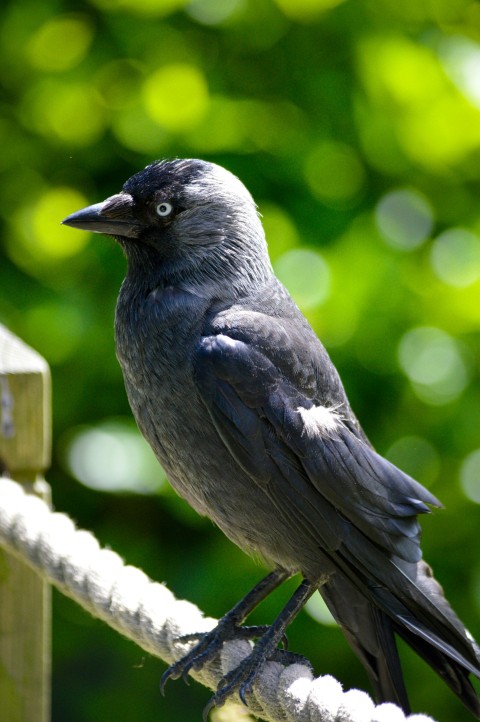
(147, 613)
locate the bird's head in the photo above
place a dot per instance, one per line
(184, 220)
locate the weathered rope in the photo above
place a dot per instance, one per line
(148, 613)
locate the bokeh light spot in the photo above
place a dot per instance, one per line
(114, 457)
(213, 12)
(221, 129)
(405, 72)
(319, 611)
(461, 59)
(306, 275)
(53, 239)
(404, 218)
(432, 361)
(470, 476)
(60, 44)
(455, 257)
(40, 240)
(176, 97)
(54, 329)
(137, 131)
(334, 173)
(417, 457)
(442, 134)
(70, 112)
(433, 124)
(280, 230)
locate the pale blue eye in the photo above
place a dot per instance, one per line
(164, 209)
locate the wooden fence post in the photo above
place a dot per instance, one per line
(25, 607)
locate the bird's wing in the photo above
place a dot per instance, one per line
(303, 453)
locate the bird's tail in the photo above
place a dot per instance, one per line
(420, 615)
(369, 632)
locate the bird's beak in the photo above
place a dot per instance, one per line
(114, 216)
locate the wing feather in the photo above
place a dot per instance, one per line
(257, 412)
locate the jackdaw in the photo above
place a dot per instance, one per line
(247, 415)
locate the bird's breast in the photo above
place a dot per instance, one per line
(156, 328)
(156, 333)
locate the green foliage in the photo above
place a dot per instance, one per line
(356, 125)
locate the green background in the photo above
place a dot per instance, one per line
(356, 126)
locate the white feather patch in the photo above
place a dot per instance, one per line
(319, 420)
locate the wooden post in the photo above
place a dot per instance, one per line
(25, 607)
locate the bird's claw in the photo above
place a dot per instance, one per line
(208, 646)
(182, 667)
(241, 678)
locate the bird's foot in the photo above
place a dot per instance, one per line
(208, 646)
(242, 678)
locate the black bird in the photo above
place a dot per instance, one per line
(248, 416)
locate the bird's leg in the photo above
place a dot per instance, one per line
(227, 628)
(242, 677)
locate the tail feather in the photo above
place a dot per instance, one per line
(369, 632)
(453, 673)
(415, 608)
(452, 662)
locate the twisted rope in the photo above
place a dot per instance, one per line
(147, 613)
